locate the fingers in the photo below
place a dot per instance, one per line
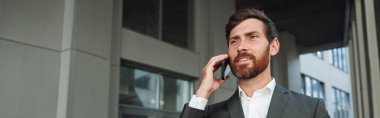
(214, 62)
(209, 83)
(221, 81)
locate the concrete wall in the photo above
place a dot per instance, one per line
(30, 49)
(55, 58)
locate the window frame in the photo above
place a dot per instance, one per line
(338, 98)
(311, 80)
(156, 112)
(339, 58)
(189, 26)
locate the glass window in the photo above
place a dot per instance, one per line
(172, 93)
(138, 88)
(175, 23)
(312, 87)
(335, 57)
(145, 93)
(308, 88)
(166, 20)
(339, 58)
(342, 103)
(142, 19)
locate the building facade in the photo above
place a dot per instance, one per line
(130, 58)
(326, 75)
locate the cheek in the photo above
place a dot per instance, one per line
(231, 53)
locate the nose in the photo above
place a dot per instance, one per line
(242, 47)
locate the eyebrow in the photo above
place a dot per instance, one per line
(234, 37)
(246, 34)
(251, 33)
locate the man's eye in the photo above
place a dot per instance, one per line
(252, 37)
(232, 42)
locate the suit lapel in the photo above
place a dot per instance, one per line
(234, 106)
(279, 100)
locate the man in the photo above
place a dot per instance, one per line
(252, 40)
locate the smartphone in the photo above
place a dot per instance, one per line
(225, 69)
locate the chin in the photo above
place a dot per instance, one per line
(246, 73)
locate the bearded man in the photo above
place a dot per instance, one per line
(252, 40)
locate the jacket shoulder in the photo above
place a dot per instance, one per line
(304, 98)
(313, 107)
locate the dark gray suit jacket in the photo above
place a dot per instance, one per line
(284, 104)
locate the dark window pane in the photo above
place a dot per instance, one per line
(322, 90)
(303, 91)
(141, 16)
(175, 22)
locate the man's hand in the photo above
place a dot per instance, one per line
(209, 83)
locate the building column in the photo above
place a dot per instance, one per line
(218, 14)
(285, 65)
(84, 82)
(365, 62)
(115, 59)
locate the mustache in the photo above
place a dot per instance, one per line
(244, 54)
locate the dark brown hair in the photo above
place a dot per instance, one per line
(244, 14)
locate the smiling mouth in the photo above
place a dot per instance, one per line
(243, 60)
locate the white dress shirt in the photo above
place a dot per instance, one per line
(255, 106)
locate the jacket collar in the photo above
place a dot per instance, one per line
(279, 100)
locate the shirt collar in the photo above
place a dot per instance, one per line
(268, 89)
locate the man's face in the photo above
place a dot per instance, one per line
(248, 49)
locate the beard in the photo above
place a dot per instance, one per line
(247, 72)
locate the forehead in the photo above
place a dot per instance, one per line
(248, 25)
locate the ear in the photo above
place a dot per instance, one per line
(274, 47)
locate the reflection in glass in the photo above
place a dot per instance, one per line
(315, 88)
(312, 87)
(158, 94)
(174, 94)
(138, 88)
(342, 104)
(308, 86)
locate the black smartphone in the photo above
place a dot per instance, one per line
(225, 69)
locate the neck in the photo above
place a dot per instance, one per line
(258, 82)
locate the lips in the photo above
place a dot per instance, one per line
(243, 60)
